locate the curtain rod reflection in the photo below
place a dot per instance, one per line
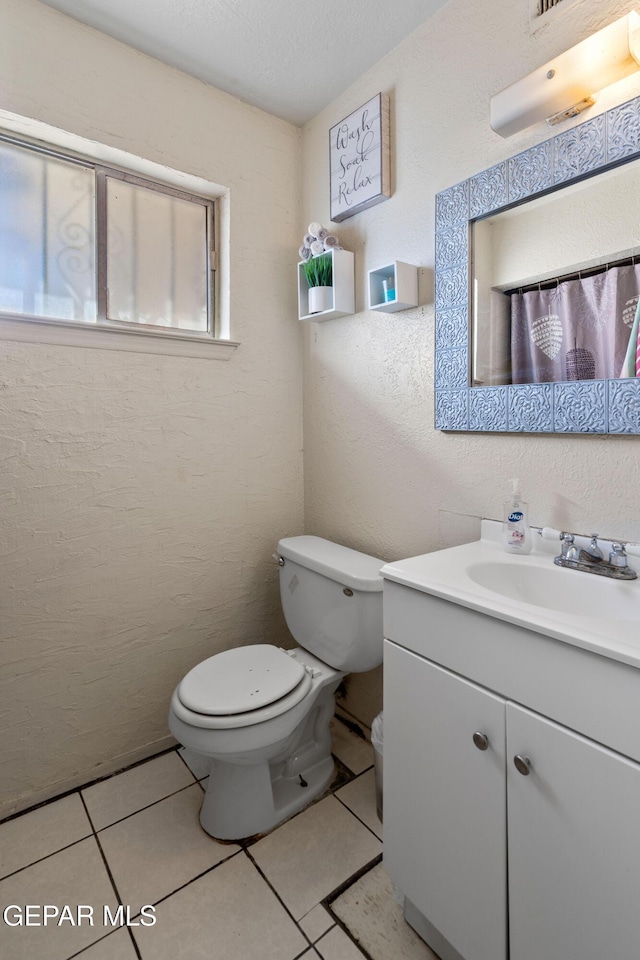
(577, 275)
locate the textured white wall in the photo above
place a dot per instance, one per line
(143, 495)
(377, 475)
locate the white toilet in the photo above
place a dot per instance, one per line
(263, 713)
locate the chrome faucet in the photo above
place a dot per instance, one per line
(593, 553)
(569, 550)
(591, 560)
(618, 555)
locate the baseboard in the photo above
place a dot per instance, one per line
(85, 778)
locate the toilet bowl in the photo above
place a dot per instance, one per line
(262, 713)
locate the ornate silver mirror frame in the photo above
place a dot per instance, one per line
(587, 406)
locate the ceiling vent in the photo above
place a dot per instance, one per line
(543, 6)
(542, 12)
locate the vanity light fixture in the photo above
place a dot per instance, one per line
(565, 86)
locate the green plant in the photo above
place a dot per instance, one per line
(318, 271)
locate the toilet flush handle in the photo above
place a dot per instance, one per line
(278, 559)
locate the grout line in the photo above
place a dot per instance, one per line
(108, 869)
(351, 776)
(328, 901)
(341, 768)
(85, 786)
(353, 726)
(43, 803)
(32, 863)
(305, 952)
(193, 879)
(80, 953)
(339, 890)
(362, 772)
(147, 806)
(350, 936)
(281, 901)
(192, 772)
(347, 932)
(113, 883)
(130, 766)
(92, 829)
(370, 829)
(354, 776)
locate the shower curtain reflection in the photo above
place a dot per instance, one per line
(577, 329)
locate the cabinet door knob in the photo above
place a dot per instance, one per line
(481, 740)
(522, 765)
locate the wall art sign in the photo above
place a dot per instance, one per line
(359, 159)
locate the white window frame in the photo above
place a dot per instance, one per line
(124, 335)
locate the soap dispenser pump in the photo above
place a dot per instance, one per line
(516, 535)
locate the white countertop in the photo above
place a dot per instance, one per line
(449, 574)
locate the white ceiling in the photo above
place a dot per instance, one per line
(289, 57)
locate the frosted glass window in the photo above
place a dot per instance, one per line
(86, 243)
(47, 236)
(157, 261)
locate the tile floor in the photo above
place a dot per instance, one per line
(135, 839)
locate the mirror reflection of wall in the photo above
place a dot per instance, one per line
(556, 283)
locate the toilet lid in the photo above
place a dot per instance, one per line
(240, 680)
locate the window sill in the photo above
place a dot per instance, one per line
(63, 333)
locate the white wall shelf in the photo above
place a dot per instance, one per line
(343, 289)
(402, 280)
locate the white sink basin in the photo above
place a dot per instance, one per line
(583, 609)
(568, 591)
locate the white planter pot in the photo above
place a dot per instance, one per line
(320, 298)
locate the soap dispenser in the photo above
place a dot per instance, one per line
(516, 535)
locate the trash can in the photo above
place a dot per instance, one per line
(376, 741)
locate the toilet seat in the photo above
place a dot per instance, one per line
(241, 686)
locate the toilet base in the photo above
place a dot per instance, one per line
(243, 800)
(250, 803)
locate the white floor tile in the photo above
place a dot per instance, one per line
(309, 856)
(149, 828)
(127, 792)
(316, 922)
(229, 913)
(373, 917)
(360, 796)
(355, 753)
(154, 852)
(117, 946)
(197, 762)
(41, 832)
(71, 877)
(336, 945)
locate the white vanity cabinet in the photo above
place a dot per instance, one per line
(497, 864)
(445, 803)
(574, 845)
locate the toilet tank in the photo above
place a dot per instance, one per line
(332, 602)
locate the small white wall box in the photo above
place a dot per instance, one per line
(396, 281)
(343, 289)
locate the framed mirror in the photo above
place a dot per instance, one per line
(524, 250)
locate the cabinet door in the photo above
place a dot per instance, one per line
(574, 845)
(444, 802)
